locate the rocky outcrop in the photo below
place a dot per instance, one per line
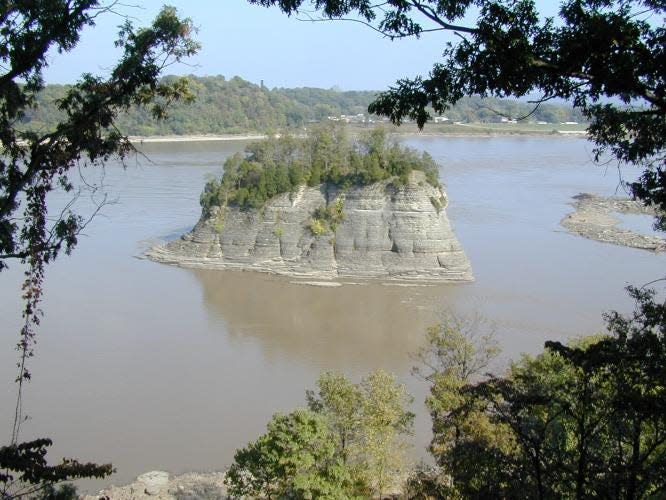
(593, 219)
(385, 232)
(159, 485)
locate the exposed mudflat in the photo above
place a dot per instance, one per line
(593, 218)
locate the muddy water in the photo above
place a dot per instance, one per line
(150, 366)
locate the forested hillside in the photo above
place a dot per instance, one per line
(228, 106)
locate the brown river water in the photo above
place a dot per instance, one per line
(156, 367)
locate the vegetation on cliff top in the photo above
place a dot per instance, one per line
(327, 155)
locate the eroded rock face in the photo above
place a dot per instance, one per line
(386, 232)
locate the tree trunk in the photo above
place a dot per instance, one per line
(635, 460)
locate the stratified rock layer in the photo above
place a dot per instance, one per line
(386, 232)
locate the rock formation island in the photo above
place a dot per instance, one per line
(325, 208)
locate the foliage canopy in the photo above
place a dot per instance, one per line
(281, 165)
(581, 420)
(295, 458)
(24, 471)
(349, 443)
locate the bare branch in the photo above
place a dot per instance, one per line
(384, 33)
(430, 13)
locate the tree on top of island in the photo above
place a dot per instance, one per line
(327, 155)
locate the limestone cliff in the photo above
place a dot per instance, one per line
(384, 232)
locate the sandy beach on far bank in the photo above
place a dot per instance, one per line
(137, 139)
(405, 133)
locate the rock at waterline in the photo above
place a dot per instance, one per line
(593, 219)
(155, 482)
(157, 485)
(386, 231)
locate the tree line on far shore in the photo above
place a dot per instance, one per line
(232, 106)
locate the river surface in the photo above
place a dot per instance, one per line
(156, 367)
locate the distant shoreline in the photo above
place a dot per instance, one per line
(484, 134)
(138, 139)
(407, 133)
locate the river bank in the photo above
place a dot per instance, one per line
(138, 139)
(458, 130)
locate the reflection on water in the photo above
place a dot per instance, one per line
(150, 366)
(357, 327)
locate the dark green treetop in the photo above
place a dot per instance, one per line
(607, 57)
(280, 165)
(580, 420)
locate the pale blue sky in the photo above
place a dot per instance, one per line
(264, 44)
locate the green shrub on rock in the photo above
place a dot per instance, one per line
(327, 218)
(319, 227)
